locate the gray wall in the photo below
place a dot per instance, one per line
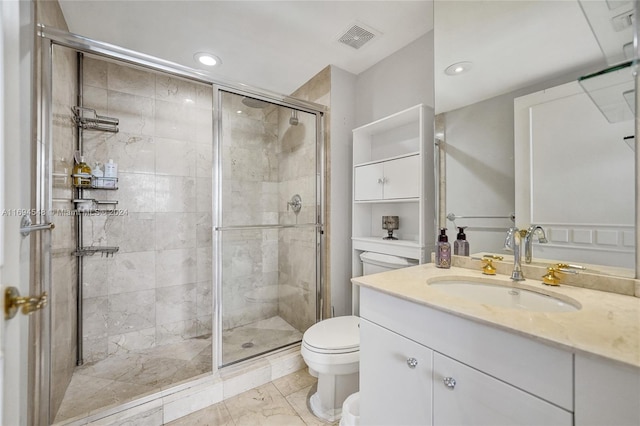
(343, 86)
(398, 82)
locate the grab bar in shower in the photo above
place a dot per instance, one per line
(256, 227)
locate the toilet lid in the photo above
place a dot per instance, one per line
(339, 333)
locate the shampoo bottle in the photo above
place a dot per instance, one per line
(461, 245)
(111, 174)
(443, 250)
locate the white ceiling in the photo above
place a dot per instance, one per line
(273, 45)
(279, 45)
(512, 44)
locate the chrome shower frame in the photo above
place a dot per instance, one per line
(52, 36)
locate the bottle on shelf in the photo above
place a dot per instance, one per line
(461, 245)
(82, 174)
(443, 250)
(111, 174)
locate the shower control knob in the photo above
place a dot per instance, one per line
(450, 382)
(412, 362)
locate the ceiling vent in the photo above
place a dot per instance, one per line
(357, 35)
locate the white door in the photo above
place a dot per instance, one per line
(15, 148)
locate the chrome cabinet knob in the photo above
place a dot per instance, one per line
(380, 180)
(412, 362)
(449, 382)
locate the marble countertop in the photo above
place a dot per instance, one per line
(607, 325)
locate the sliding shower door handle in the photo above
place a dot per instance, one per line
(26, 227)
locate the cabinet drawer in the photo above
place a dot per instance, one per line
(542, 370)
(470, 397)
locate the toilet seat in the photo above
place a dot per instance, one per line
(339, 335)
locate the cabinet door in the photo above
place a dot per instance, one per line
(606, 393)
(368, 182)
(465, 396)
(402, 178)
(395, 378)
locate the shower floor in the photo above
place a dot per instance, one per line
(125, 377)
(120, 378)
(257, 337)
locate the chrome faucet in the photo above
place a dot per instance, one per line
(513, 242)
(528, 240)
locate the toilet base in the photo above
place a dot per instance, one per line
(332, 391)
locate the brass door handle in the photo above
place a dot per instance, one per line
(13, 301)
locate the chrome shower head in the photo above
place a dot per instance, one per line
(254, 103)
(293, 120)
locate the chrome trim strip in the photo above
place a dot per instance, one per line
(216, 216)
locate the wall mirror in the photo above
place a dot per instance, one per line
(493, 55)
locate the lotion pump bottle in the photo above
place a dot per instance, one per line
(443, 250)
(461, 245)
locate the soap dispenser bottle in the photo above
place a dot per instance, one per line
(82, 174)
(443, 250)
(461, 245)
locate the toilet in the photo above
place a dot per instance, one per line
(331, 348)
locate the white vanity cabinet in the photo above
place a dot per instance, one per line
(479, 375)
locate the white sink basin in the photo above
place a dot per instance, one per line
(505, 297)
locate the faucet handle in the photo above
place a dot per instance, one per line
(487, 266)
(552, 276)
(567, 267)
(493, 257)
(554, 273)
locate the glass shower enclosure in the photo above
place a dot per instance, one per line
(267, 224)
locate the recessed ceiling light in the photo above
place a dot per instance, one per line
(458, 68)
(207, 59)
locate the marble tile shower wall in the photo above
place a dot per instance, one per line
(249, 197)
(63, 241)
(158, 288)
(297, 247)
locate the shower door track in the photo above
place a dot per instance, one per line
(253, 227)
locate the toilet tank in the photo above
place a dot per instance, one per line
(372, 263)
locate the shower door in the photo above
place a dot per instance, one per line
(267, 225)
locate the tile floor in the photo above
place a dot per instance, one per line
(282, 402)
